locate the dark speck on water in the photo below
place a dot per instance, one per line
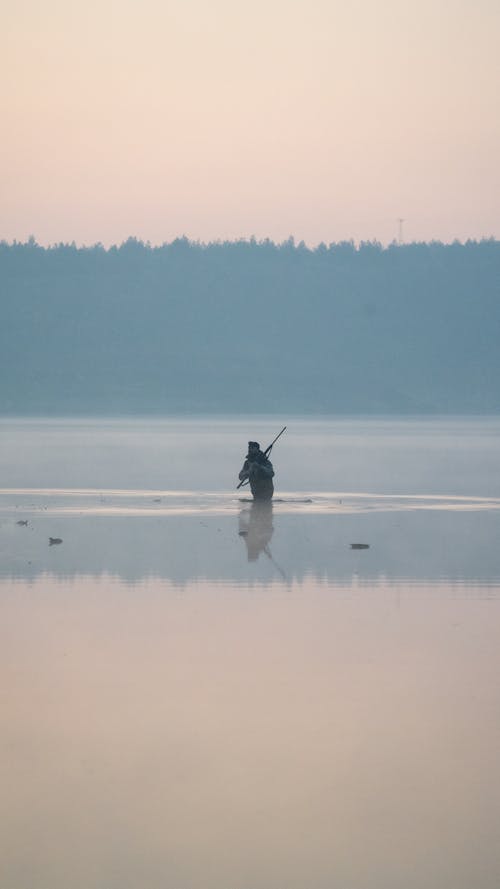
(54, 540)
(360, 546)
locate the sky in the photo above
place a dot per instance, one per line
(222, 120)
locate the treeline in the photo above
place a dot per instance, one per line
(250, 326)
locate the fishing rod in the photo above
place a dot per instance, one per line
(266, 454)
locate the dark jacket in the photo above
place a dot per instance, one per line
(259, 470)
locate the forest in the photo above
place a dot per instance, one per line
(250, 327)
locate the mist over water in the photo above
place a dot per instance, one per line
(206, 693)
(457, 456)
(158, 498)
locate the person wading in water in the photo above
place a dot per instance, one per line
(259, 472)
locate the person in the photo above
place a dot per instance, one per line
(259, 471)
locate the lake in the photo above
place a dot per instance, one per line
(199, 692)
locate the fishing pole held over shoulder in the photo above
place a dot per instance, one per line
(270, 447)
(266, 454)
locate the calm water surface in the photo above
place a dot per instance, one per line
(201, 694)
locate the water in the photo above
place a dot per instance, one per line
(452, 456)
(198, 692)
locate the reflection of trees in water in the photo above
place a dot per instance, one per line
(256, 528)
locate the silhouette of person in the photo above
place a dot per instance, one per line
(259, 471)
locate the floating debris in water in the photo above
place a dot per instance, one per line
(360, 546)
(23, 522)
(54, 540)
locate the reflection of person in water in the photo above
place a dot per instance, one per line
(256, 527)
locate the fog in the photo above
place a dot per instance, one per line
(250, 327)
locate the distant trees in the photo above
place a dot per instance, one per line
(250, 325)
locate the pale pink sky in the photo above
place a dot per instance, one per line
(224, 119)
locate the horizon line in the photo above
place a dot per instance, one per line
(251, 241)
